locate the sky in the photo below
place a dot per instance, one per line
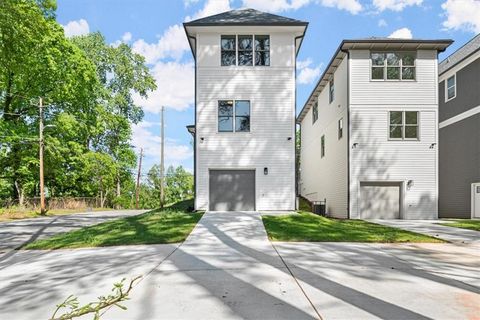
(154, 29)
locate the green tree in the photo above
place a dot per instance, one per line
(178, 184)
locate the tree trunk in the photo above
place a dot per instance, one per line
(21, 194)
(117, 206)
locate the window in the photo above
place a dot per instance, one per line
(331, 91)
(233, 116)
(340, 128)
(451, 88)
(322, 149)
(315, 112)
(262, 50)
(228, 44)
(393, 66)
(404, 125)
(245, 50)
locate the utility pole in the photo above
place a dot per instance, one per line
(138, 178)
(162, 162)
(40, 154)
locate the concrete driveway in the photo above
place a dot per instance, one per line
(227, 269)
(14, 234)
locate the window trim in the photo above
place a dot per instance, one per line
(315, 106)
(253, 35)
(404, 125)
(235, 50)
(255, 51)
(400, 66)
(340, 128)
(322, 146)
(331, 93)
(234, 117)
(454, 86)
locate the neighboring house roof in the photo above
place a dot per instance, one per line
(250, 17)
(461, 54)
(191, 129)
(373, 43)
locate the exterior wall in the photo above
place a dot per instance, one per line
(375, 157)
(271, 91)
(326, 178)
(459, 145)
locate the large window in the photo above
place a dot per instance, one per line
(315, 112)
(228, 44)
(243, 50)
(393, 66)
(331, 95)
(451, 88)
(233, 116)
(322, 146)
(404, 125)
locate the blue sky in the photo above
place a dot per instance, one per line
(153, 28)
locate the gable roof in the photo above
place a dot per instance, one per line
(461, 54)
(245, 17)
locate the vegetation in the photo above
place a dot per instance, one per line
(22, 213)
(464, 224)
(173, 224)
(306, 226)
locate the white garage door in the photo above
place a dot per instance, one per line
(380, 200)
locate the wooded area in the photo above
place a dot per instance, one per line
(86, 85)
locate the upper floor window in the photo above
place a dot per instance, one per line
(315, 112)
(340, 128)
(228, 44)
(322, 146)
(243, 50)
(451, 88)
(393, 66)
(331, 95)
(404, 125)
(233, 116)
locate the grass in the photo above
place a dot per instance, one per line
(464, 224)
(173, 224)
(19, 213)
(306, 226)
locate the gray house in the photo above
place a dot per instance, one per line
(459, 126)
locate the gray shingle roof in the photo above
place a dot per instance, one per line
(248, 16)
(464, 52)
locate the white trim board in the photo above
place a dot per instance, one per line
(459, 117)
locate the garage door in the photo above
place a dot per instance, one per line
(232, 190)
(380, 200)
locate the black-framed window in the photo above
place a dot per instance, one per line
(393, 65)
(315, 112)
(245, 50)
(233, 116)
(229, 47)
(340, 128)
(404, 125)
(451, 88)
(331, 95)
(262, 50)
(322, 146)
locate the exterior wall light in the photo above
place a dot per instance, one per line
(409, 184)
(265, 171)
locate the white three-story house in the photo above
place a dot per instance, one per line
(244, 132)
(369, 131)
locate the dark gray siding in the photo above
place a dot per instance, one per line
(459, 166)
(468, 92)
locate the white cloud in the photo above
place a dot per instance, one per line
(211, 7)
(352, 6)
(127, 36)
(403, 33)
(188, 3)
(395, 5)
(175, 87)
(307, 74)
(462, 15)
(173, 43)
(76, 28)
(382, 23)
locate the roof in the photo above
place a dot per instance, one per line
(191, 129)
(249, 17)
(373, 43)
(461, 54)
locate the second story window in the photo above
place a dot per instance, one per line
(228, 44)
(262, 50)
(233, 116)
(340, 128)
(322, 146)
(404, 125)
(245, 50)
(451, 88)
(331, 95)
(315, 112)
(393, 66)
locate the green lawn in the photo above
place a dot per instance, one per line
(306, 226)
(173, 224)
(21, 213)
(464, 224)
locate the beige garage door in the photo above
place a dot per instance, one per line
(380, 200)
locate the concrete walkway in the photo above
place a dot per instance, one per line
(14, 234)
(435, 228)
(227, 269)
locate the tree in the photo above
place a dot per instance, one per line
(178, 184)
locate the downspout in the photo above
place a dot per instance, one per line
(348, 132)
